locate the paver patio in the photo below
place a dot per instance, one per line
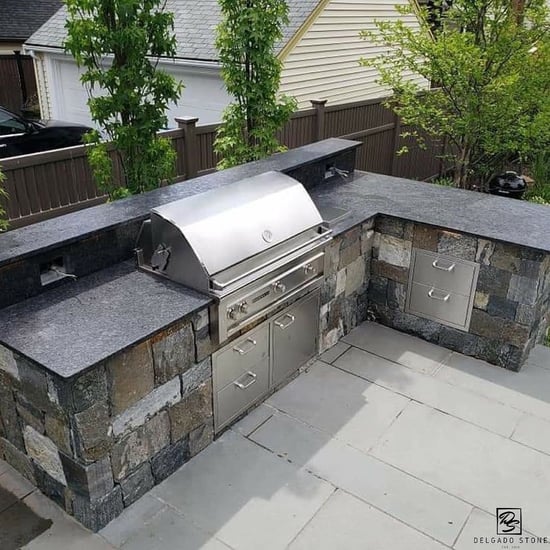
(387, 442)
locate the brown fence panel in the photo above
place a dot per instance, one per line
(419, 163)
(49, 184)
(45, 185)
(207, 158)
(341, 120)
(300, 130)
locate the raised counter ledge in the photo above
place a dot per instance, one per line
(366, 195)
(41, 237)
(78, 325)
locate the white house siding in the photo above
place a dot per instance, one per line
(42, 86)
(63, 97)
(324, 64)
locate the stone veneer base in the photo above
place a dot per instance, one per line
(97, 442)
(512, 299)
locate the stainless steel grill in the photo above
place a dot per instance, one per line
(252, 245)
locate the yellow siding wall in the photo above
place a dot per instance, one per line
(324, 63)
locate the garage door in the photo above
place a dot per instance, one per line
(69, 95)
(204, 95)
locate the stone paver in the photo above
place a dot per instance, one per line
(402, 496)
(244, 495)
(348, 523)
(396, 444)
(526, 391)
(351, 409)
(169, 530)
(468, 406)
(396, 346)
(482, 468)
(533, 432)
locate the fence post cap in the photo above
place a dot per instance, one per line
(319, 101)
(186, 119)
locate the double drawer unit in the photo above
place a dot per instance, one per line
(248, 368)
(442, 288)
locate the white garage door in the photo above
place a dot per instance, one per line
(69, 97)
(204, 95)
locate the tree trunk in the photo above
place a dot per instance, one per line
(518, 10)
(462, 167)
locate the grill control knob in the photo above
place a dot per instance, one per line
(232, 313)
(309, 269)
(279, 287)
(243, 307)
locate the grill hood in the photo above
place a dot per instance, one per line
(198, 237)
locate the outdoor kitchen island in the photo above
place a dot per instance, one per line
(106, 382)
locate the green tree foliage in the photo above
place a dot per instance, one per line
(489, 61)
(246, 40)
(3, 194)
(118, 43)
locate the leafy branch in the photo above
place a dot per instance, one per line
(246, 40)
(118, 44)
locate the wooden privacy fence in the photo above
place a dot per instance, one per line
(17, 81)
(45, 185)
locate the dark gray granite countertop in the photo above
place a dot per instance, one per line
(43, 236)
(69, 329)
(73, 327)
(499, 218)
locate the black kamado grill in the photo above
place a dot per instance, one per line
(508, 184)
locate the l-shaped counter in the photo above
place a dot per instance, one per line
(106, 381)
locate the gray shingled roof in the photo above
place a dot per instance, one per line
(21, 18)
(195, 24)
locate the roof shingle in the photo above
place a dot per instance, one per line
(194, 24)
(19, 19)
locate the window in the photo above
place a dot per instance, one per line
(10, 125)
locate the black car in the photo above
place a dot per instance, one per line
(20, 136)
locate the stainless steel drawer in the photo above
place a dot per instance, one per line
(240, 394)
(457, 276)
(295, 337)
(240, 356)
(439, 305)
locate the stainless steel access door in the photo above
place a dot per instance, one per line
(295, 337)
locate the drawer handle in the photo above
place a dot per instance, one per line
(441, 268)
(243, 351)
(284, 326)
(253, 378)
(433, 296)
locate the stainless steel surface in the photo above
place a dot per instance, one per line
(444, 272)
(294, 338)
(266, 294)
(332, 215)
(240, 378)
(231, 363)
(244, 350)
(442, 306)
(252, 379)
(442, 288)
(240, 394)
(441, 297)
(253, 268)
(245, 370)
(223, 227)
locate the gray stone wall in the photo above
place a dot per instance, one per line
(512, 296)
(344, 292)
(97, 442)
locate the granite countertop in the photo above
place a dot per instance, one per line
(77, 325)
(499, 218)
